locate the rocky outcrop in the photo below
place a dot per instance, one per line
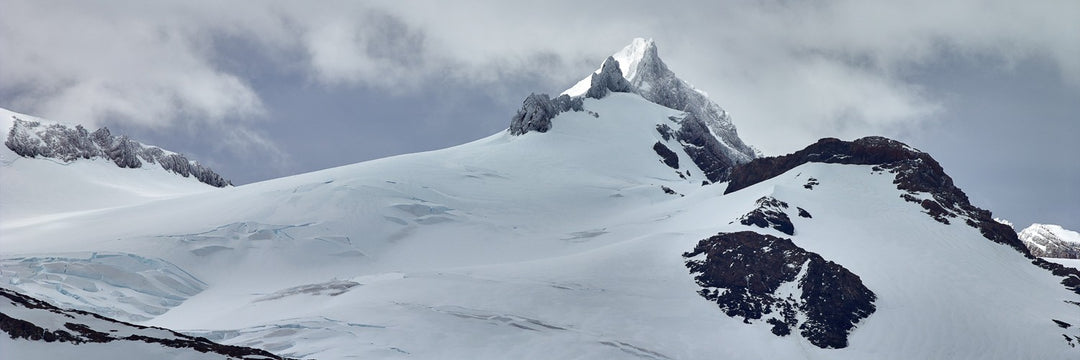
(770, 214)
(29, 319)
(67, 144)
(755, 276)
(609, 80)
(537, 111)
(668, 157)
(1051, 241)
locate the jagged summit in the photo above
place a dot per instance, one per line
(705, 130)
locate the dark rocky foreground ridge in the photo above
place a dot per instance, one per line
(80, 327)
(67, 144)
(915, 172)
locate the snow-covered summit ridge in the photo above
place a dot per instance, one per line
(704, 129)
(31, 137)
(1047, 240)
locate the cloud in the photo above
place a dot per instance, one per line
(788, 71)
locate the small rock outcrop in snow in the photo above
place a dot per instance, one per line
(1051, 241)
(753, 276)
(537, 111)
(770, 214)
(67, 144)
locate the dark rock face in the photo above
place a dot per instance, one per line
(537, 111)
(32, 139)
(769, 213)
(77, 329)
(666, 155)
(915, 172)
(610, 79)
(704, 149)
(750, 275)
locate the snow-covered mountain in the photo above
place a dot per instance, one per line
(589, 229)
(1052, 241)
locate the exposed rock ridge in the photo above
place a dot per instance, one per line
(753, 276)
(915, 172)
(33, 139)
(84, 327)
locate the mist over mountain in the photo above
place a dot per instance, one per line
(623, 218)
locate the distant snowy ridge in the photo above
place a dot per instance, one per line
(704, 129)
(29, 138)
(1052, 241)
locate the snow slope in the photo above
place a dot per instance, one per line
(554, 245)
(38, 190)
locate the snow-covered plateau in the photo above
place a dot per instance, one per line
(600, 236)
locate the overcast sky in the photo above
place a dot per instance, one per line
(262, 89)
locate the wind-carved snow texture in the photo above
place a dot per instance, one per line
(281, 337)
(248, 235)
(24, 318)
(1051, 241)
(33, 139)
(755, 276)
(770, 214)
(537, 111)
(916, 173)
(123, 286)
(329, 288)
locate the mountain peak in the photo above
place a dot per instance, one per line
(704, 129)
(639, 54)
